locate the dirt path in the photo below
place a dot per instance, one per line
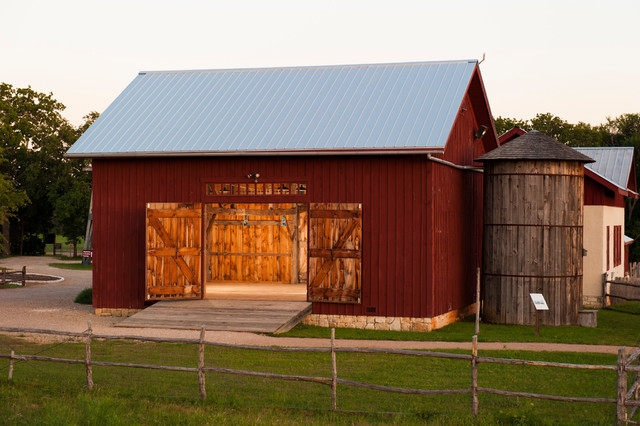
(50, 306)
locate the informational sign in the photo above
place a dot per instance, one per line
(87, 253)
(539, 302)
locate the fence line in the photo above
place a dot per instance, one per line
(13, 277)
(625, 397)
(631, 292)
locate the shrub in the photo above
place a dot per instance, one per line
(85, 296)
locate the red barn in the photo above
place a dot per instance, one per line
(355, 182)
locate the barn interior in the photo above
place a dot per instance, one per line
(256, 251)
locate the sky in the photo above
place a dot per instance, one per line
(579, 60)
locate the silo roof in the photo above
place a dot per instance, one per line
(535, 146)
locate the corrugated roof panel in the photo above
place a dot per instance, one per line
(353, 107)
(613, 164)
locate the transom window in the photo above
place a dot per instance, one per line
(231, 189)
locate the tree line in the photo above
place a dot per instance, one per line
(42, 193)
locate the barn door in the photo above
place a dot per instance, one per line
(173, 251)
(335, 240)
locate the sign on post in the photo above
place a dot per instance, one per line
(541, 305)
(539, 302)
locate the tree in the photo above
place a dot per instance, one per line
(10, 200)
(71, 195)
(35, 137)
(504, 124)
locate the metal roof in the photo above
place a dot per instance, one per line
(327, 109)
(612, 164)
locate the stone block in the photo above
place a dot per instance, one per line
(588, 318)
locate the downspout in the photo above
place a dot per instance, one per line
(455, 166)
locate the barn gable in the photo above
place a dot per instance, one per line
(409, 107)
(384, 152)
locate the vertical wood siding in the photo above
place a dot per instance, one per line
(392, 190)
(419, 234)
(533, 240)
(596, 194)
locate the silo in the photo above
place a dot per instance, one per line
(532, 234)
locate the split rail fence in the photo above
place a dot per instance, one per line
(7, 277)
(626, 400)
(620, 288)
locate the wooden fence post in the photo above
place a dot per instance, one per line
(11, 365)
(477, 301)
(474, 374)
(24, 275)
(604, 290)
(334, 373)
(201, 378)
(87, 360)
(621, 394)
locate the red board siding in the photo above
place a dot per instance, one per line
(395, 192)
(596, 194)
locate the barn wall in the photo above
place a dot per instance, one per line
(596, 220)
(393, 191)
(456, 223)
(596, 194)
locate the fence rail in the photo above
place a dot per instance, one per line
(623, 288)
(626, 397)
(11, 277)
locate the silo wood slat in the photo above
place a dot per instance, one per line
(559, 258)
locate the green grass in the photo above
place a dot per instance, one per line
(48, 393)
(75, 266)
(614, 328)
(10, 286)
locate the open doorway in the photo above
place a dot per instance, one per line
(256, 251)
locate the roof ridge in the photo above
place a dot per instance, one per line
(310, 67)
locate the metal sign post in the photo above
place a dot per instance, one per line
(541, 305)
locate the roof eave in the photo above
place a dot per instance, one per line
(364, 151)
(625, 192)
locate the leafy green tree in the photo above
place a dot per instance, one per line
(504, 124)
(34, 136)
(71, 195)
(10, 200)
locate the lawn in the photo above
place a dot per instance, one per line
(614, 328)
(47, 393)
(75, 266)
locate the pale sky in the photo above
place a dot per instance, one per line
(579, 60)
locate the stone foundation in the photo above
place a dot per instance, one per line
(592, 301)
(115, 312)
(388, 323)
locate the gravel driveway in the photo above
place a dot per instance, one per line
(50, 306)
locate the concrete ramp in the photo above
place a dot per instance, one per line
(259, 316)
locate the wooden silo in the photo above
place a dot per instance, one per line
(532, 242)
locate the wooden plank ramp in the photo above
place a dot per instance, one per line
(258, 316)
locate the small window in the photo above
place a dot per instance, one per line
(244, 189)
